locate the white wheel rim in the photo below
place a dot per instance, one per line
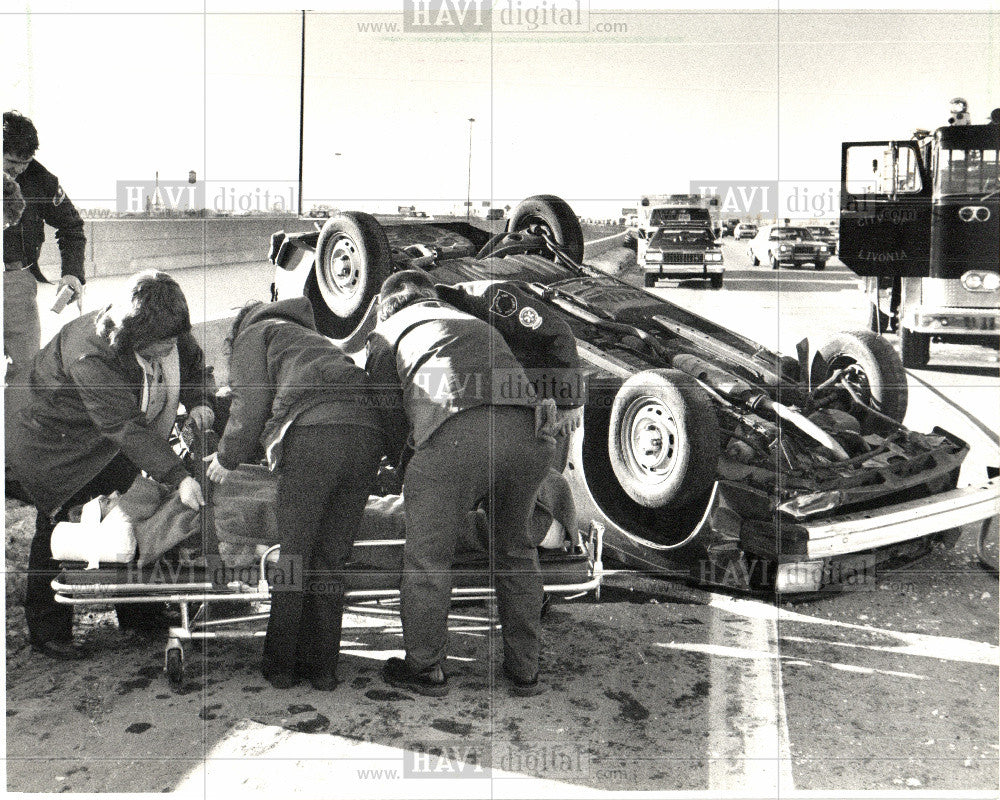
(649, 438)
(341, 270)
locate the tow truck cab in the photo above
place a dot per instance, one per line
(923, 216)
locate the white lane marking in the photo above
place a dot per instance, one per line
(748, 738)
(735, 652)
(605, 238)
(969, 653)
(804, 279)
(947, 648)
(255, 760)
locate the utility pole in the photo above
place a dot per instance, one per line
(302, 105)
(468, 187)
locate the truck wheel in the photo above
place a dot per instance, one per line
(915, 348)
(873, 370)
(878, 321)
(554, 215)
(663, 439)
(352, 260)
(716, 281)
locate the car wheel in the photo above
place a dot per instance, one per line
(716, 281)
(753, 258)
(773, 261)
(820, 266)
(551, 214)
(663, 439)
(352, 260)
(873, 370)
(649, 281)
(915, 348)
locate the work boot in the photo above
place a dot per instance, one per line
(431, 682)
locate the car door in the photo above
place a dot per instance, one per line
(885, 209)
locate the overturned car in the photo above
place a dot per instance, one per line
(703, 455)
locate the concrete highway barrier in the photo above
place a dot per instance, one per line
(126, 246)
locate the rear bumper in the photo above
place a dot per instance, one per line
(953, 320)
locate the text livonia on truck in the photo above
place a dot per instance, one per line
(921, 217)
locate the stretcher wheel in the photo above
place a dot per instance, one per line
(174, 666)
(546, 603)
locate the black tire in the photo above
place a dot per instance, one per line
(649, 281)
(754, 260)
(675, 417)
(820, 266)
(554, 214)
(875, 370)
(715, 281)
(174, 666)
(915, 348)
(773, 261)
(352, 260)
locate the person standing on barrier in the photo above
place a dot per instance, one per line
(437, 370)
(297, 393)
(102, 399)
(46, 203)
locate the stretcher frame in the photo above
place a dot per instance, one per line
(197, 627)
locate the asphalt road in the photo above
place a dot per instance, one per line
(657, 687)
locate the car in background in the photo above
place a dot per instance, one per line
(703, 456)
(745, 230)
(821, 233)
(729, 226)
(683, 252)
(784, 244)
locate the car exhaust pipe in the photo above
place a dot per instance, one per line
(742, 392)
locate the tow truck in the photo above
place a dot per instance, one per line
(921, 217)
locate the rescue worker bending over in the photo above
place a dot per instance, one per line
(296, 391)
(437, 369)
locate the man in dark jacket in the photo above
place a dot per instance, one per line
(95, 415)
(439, 371)
(46, 203)
(309, 405)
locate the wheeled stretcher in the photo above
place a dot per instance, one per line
(231, 574)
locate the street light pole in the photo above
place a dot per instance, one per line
(302, 105)
(468, 187)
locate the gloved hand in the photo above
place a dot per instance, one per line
(202, 416)
(569, 420)
(546, 420)
(190, 493)
(215, 471)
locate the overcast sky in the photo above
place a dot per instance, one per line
(661, 99)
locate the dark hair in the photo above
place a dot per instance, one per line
(151, 309)
(402, 289)
(19, 135)
(227, 343)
